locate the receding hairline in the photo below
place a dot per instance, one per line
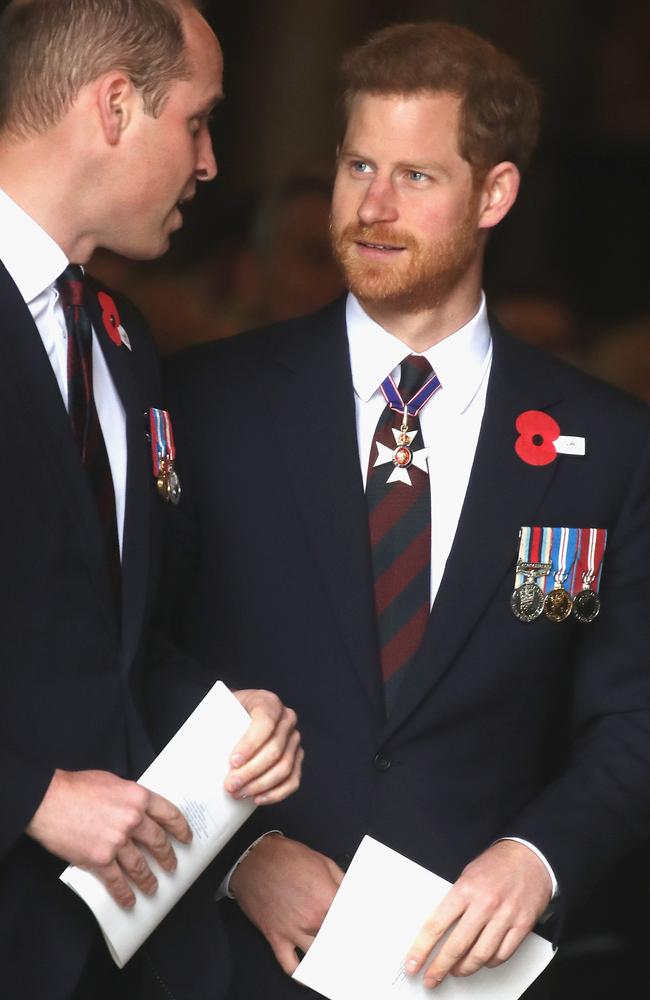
(148, 40)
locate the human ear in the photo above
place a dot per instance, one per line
(115, 94)
(498, 194)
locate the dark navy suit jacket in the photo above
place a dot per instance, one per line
(70, 683)
(539, 731)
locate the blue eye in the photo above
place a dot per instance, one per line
(360, 166)
(417, 175)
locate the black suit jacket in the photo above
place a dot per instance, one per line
(539, 731)
(71, 671)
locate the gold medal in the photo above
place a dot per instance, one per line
(168, 483)
(558, 604)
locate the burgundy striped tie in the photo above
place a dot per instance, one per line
(83, 413)
(400, 535)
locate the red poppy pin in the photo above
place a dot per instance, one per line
(540, 441)
(111, 319)
(537, 434)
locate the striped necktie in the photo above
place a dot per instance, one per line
(400, 535)
(83, 413)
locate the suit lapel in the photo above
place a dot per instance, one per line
(136, 540)
(310, 393)
(39, 405)
(503, 494)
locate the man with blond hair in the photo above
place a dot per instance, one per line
(408, 522)
(104, 108)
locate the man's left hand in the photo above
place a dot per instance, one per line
(267, 761)
(497, 900)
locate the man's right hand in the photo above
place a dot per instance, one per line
(100, 822)
(286, 889)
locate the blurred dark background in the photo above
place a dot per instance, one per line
(567, 269)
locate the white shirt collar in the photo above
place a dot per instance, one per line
(31, 257)
(460, 360)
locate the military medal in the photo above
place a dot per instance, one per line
(164, 453)
(560, 557)
(527, 599)
(403, 455)
(558, 601)
(586, 603)
(558, 604)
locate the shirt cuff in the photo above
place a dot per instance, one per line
(223, 892)
(531, 847)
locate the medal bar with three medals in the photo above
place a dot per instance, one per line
(558, 601)
(164, 453)
(527, 600)
(586, 603)
(403, 455)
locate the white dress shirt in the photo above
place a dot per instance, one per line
(35, 261)
(450, 422)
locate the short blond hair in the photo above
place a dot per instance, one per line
(50, 49)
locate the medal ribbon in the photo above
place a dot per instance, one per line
(522, 556)
(530, 550)
(162, 439)
(590, 560)
(565, 547)
(546, 557)
(393, 397)
(534, 547)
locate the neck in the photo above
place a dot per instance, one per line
(33, 173)
(421, 330)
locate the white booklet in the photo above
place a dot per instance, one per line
(190, 772)
(380, 906)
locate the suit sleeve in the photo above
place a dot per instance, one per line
(24, 784)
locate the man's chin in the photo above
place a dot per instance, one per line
(376, 290)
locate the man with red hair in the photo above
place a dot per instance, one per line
(403, 518)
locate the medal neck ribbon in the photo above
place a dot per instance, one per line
(412, 406)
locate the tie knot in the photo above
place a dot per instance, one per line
(71, 285)
(415, 371)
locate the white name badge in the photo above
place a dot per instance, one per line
(567, 445)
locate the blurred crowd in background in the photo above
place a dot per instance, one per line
(568, 270)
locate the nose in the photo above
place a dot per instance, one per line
(379, 203)
(206, 162)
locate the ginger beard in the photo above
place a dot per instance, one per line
(420, 278)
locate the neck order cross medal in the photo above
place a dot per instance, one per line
(403, 455)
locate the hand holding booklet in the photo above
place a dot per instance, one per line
(190, 772)
(365, 937)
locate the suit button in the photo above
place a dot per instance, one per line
(382, 762)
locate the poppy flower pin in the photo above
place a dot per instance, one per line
(111, 320)
(540, 441)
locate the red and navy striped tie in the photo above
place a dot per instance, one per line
(83, 413)
(400, 535)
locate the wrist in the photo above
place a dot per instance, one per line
(228, 883)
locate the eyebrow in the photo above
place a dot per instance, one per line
(425, 168)
(211, 103)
